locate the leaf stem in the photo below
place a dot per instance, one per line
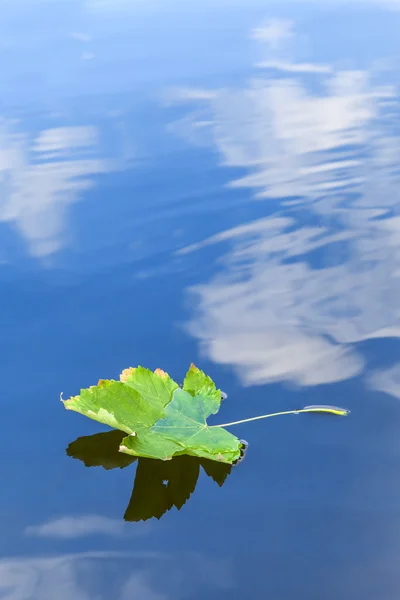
(333, 410)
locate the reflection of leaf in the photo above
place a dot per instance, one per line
(163, 420)
(159, 485)
(217, 471)
(100, 450)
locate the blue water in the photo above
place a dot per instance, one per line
(216, 183)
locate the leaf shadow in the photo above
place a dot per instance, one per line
(159, 485)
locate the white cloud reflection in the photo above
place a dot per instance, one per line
(329, 153)
(274, 32)
(104, 575)
(61, 577)
(387, 380)
(72, 527)
(41, 176)
(281, 65)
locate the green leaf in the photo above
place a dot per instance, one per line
(198, 383)
(185, 423)
(184, 431)
(159, 485)
(155, 389)
(161, 419)
(148, 444)
(138, 399)
(164, 421)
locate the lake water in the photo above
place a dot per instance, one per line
(219, 183)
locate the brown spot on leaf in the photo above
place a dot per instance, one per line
(101, 382)
(220, 457)
(161, 373)
(193, 367)
(126, 373)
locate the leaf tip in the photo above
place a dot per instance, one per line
(161, 373)
(68, 404)
(126, 373)
(193, 367)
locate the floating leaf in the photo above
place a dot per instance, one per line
(148, 444)
(163, 420)
(185, 431)
(198, 383)
(159, 485)
(138, 400)
(154, 388)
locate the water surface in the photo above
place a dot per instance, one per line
(213, 183)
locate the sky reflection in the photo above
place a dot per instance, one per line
(302, 287)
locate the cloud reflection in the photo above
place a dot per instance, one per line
(387, 380)
(71, 527)
(40, 176)
(293, 299)
(104, 575)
